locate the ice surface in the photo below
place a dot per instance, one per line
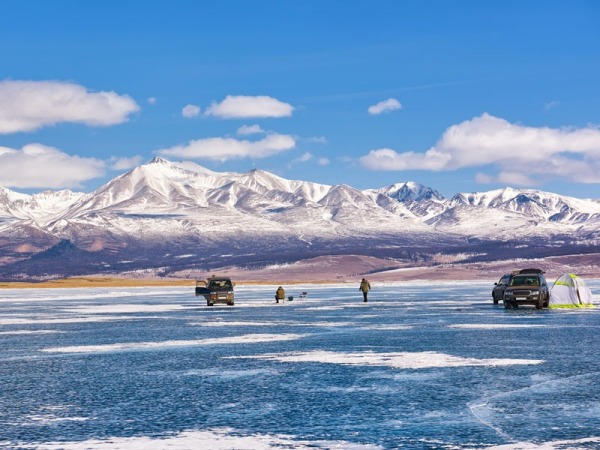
(417, 367)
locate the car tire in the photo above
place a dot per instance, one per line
(209, 304)
(508, 305)
(539, 304)
(495, 300)
(230, 303)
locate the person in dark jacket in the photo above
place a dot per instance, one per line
(279, 294)
(365, 287)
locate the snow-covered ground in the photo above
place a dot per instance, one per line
(419, 366)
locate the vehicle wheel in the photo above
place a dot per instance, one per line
(507, 305)
(539, 304)
(209, 304)
(230, 304)
(495, 301)
(547, 302)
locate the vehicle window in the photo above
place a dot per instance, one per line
(220, 284)
(525, 281)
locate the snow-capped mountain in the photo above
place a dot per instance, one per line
(166, 214)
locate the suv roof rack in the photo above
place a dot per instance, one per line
(531, 271)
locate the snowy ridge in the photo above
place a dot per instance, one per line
(163, 187)
(163, 209)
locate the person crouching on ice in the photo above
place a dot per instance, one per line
(365, 287)
(280, 294)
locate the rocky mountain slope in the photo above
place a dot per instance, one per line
(165, 217)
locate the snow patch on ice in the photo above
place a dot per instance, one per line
(570, 444)
(53, 294)
(218, 439)
(221, 323)
(228, 374)
(243, 339)
(389, 327)
(493, 326)
(49, 321)
(50, 418)
(125, 308)
(397, 360)
(19, 332)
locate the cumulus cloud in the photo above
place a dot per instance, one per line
(521, 154)
(386, 106)
(151, 100)
(304, 158)
(224, 149)
(39, 166)
(241, 106)
(189, 111)
(249, 129)
(30, 105)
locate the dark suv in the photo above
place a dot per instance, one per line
(216, 290)
(527, 287)
(499, 287)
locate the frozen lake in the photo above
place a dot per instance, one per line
(416, 367)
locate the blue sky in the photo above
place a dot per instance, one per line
(460, 96)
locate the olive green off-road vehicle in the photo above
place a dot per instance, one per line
(216, 290)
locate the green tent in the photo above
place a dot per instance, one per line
(570, 291)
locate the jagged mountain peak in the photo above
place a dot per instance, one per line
(410, 191)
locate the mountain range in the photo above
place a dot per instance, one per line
(166, 218)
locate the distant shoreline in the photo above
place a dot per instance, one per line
(93, 282)
(336, 270)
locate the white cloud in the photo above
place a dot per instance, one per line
(189, 111)
(391, 104)
(388, 159)
(39, 166)
(125, 163)
(151, 100)
(224, 149)
(306, 156)
(29, 105)
(241, 106)
(522, 154)
(323, 161)
(249, 129)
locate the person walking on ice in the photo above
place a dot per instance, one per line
(279, 294)
(365, 287)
